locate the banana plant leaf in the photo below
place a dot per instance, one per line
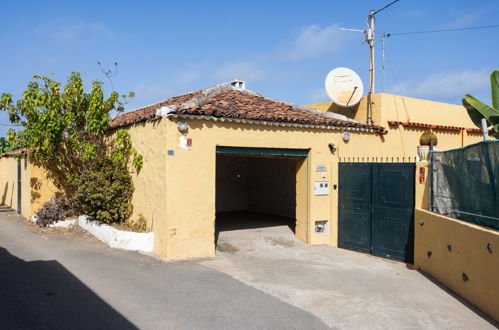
(478, 110)
(494, 84)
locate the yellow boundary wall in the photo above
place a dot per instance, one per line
(9, 184)
(462, 256)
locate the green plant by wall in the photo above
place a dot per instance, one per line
(6, 146)
(428, 139)
(139, 225)
(478, 109)
(105, 192)
(65, 129)
(58, 208)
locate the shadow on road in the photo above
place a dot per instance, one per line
(44, 295)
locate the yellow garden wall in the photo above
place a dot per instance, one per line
(9, 184)
(42, 188)
(468, 254)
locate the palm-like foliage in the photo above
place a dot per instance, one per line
(478, 109)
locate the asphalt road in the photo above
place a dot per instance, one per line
(53, 279)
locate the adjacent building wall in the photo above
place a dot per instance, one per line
(401, 141)
(462, 256)
(41, 190)
(149, 198)
(9, 184)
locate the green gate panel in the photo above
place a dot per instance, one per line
(262, 151)
(376, 209)
(354, 226)
(393, 211)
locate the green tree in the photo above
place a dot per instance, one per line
(4, 145)
(66, 130)
(478, 109)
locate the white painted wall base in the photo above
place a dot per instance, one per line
(63, 223)
(115, 238)
(58, 224)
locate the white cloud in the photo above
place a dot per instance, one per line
(464, 20)
(445, 85)
(72, 32)
(317, 96)
(148, 93)
(61, 32)
(314, 41)
(164, 87)
(413, 13)
(244, 69)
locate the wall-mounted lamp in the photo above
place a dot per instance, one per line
(346, 136)
(182, 126)
(332, 147)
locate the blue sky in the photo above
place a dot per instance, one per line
(284, 49)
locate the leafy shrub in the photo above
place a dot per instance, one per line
(139, 225)
(58, 208)
(104, 192)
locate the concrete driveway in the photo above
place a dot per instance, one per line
(262, 278)
(345, 289)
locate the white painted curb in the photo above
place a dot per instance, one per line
(115, 238)
(58, 224)
(63, 223)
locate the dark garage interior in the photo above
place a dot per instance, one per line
(255, 192)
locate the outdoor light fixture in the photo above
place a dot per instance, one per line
(346, 136)
(182, 126)
(332, 147)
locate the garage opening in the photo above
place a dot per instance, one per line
(257, 192)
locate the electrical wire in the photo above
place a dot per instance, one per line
(398, 88)
(444, 30)
(388, 5)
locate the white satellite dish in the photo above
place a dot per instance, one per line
(344, 87)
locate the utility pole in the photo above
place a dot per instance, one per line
(370, 41)
(369, 38)
(383, 36)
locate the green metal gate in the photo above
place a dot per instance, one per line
(376, 209)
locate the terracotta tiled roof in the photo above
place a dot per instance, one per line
(14, 152)
(226, 101)
(149, 112)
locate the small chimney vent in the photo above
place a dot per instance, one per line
(238, 83)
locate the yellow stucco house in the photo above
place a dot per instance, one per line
(226, 149)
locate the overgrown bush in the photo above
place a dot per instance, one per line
(58, 208)
(104, 192)
(139, 225)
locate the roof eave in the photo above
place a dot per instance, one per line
(272, 123)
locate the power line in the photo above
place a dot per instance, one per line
(444, 30)
(388, 5)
